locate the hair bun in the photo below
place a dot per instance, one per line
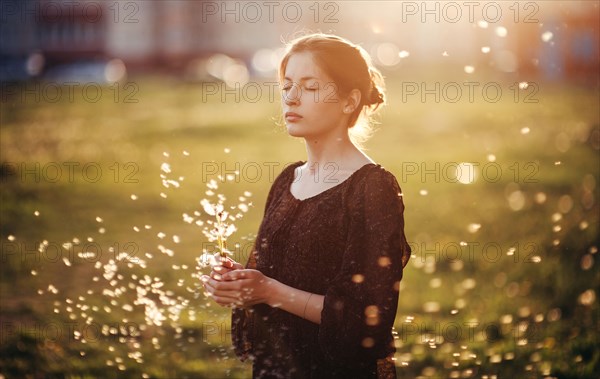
(376, 96)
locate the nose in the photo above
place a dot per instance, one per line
(292, 95)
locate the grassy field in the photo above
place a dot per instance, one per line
(503, 280)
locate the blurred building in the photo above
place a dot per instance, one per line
(559, 41)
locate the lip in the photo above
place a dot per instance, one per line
(291, 116)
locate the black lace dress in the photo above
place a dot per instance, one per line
(346, 243)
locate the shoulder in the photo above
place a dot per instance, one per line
(377, 176)
(376, 184)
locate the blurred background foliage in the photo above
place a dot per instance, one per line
(501, 192)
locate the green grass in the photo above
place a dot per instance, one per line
(549, 332)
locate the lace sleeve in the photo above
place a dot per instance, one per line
(360, 305)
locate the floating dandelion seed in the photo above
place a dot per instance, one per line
(501, 31)
(465, 173)
(120, 290)
(547, 36)
(134, 197)
(226, 150)
(403, 54)
(36, 213)
(588, 297)
(469, 69)
(482, 24)
(431, 307)
(516, 200)
(165, 167)
(485, 49)
(473, 227)
(525, 130)
(11, 238)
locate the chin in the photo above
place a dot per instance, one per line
(294, 130)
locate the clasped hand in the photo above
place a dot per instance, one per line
(230, 284)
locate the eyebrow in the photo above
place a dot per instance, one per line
(302, 79)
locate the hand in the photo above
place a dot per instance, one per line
(219, 266)
(224, 265)
(240, 287)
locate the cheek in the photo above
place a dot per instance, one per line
(329, 94)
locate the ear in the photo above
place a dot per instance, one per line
(351, 102)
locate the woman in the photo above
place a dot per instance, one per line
(318, 296)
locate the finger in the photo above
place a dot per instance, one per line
(236, 275)
(220, 270)
(216, 275)
(234, 265)
(225, 286)
(238, 266)
(224, 301)
(227, 262)
(219, 295)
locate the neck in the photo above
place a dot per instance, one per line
(334, 148)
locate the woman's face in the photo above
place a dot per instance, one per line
(311, 104)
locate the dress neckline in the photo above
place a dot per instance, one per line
(330, 189)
